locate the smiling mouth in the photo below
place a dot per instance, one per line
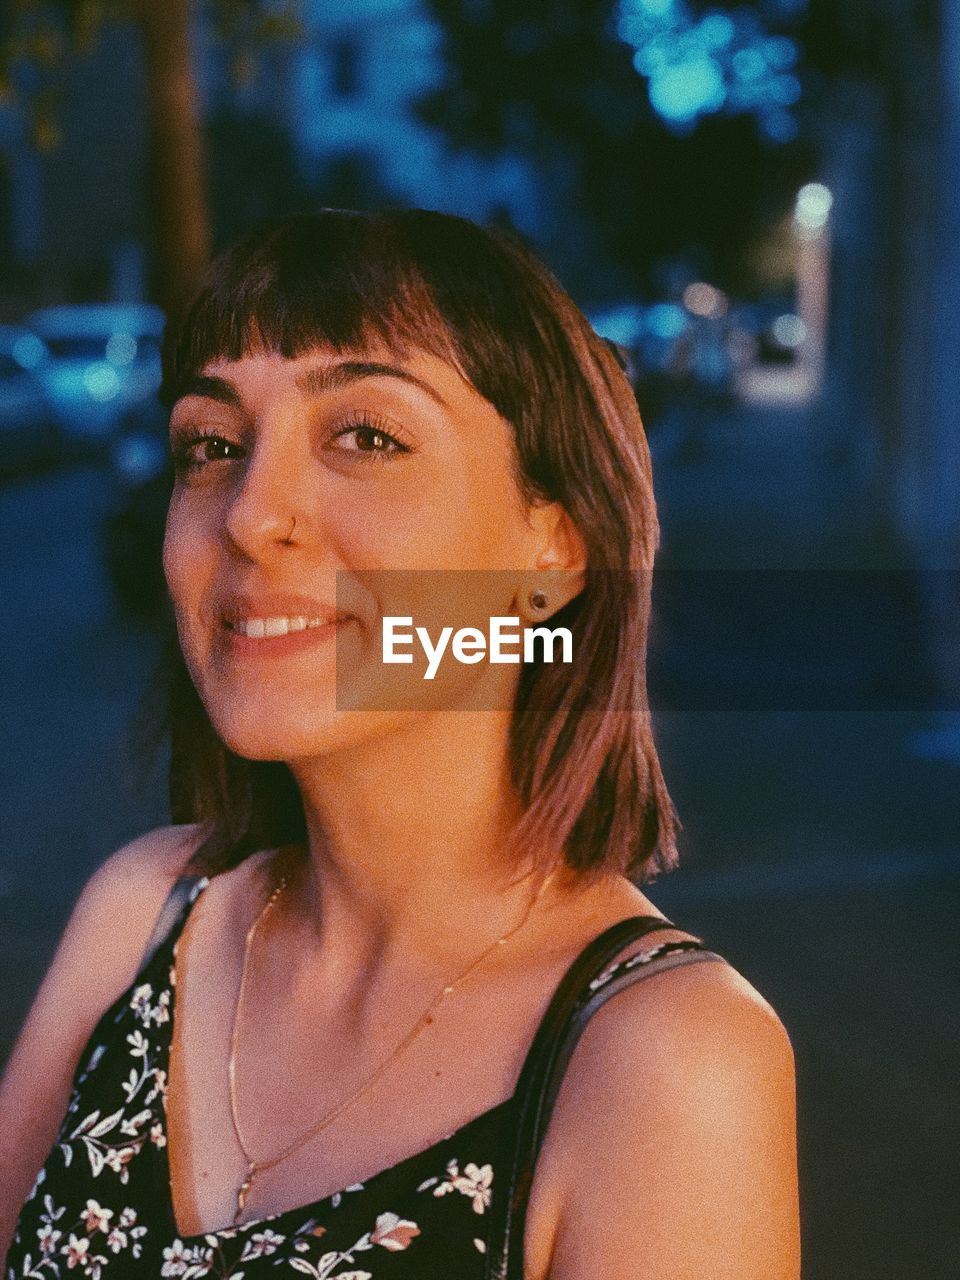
(267, 628)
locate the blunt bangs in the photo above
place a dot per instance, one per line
(335, 279)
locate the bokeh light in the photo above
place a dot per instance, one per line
(715, 63)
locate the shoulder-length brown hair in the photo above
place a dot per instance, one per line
(582, 753)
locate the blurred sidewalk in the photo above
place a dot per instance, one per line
(763, 488)
(820, 854)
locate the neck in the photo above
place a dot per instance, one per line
(406, 841)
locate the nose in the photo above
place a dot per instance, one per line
(263, 510)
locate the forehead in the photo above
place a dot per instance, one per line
(320, 318)
(322, 370)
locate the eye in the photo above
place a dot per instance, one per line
(373, 440)
(191, 450)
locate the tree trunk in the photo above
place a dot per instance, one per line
(179, 199)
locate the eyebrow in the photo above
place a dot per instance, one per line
(317, 381)
(218, 389)
(313, 382)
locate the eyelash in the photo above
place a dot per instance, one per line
(184, 442)
(363, 421)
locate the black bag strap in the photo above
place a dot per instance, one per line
(176, 900)
(581, 992)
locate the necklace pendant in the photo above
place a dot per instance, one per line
(243, 1191)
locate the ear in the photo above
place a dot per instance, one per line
(560, 555)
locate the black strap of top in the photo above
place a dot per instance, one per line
(168, 917)
(576, 1000)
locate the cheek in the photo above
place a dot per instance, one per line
(491, 525)
(185, 556)
(174, 547)
(471, 514)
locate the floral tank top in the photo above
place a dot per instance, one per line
(101, 1205)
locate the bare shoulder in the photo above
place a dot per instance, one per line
(95, 961)
(108, 928)
(115, 911)
(680, 1014)
(161, 854)
(678, 1106)
(112, 920)
(132, 883)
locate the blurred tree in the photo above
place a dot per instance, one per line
(38, 38)
(255, 176)
(554, 77)
(179, 198)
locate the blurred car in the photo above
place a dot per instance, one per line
(141, 478)
(645, 336)
(103, 357)
(771, 330)
(782, 340)
(678, 355)
(28, 435)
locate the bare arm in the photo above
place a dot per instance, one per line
(672, 1152)
(96, 960)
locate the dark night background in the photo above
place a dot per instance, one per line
(761, 204)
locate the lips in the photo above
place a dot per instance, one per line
(274, 609)
(256, 626)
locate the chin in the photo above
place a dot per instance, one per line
(258, 734)
(267, 738)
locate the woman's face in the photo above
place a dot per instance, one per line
(298, 482)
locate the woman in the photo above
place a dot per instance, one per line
(315, 1071)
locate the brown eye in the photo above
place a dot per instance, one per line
(372, 440)
(192, 451)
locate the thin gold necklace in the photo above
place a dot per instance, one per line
(257, 1166)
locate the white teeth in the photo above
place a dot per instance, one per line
(264, 628)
